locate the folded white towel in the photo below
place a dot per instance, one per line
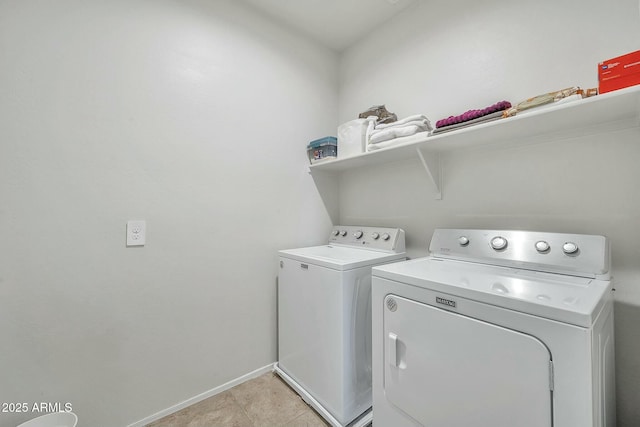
(404, 127)
(420, 123)
(370, 127)
(389, 143)
(416, 117)
(411, 128)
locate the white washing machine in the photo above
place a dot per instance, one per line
(324, 319)
(496, 329)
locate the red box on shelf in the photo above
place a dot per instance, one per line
(620, 72)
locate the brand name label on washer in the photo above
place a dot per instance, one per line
(446, 302)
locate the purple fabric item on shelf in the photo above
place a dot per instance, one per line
(488, 118)
(473, 114)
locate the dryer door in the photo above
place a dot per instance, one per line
(444, 369)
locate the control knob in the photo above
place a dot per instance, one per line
(463, 240)
(343, 233)
(357, 234)
(569, 248)
(335, 232)
(386, 236)
(498, 243)
(375, 236)
(542, 246)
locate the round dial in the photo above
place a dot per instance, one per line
(386, 236)
(343, 233)
(569, 248)
(542, 246)
(463, 240)
(499, 243)
(357, 234)
(375, 236)
(335, 232)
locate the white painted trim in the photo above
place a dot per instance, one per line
(203, 396)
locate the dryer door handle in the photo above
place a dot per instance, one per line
(393, 349)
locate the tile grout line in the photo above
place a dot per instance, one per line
(246, 414)
(297, 396)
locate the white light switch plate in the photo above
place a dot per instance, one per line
(136, 233)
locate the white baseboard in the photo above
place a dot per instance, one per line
(203, 396)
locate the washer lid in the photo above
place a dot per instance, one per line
(569, 299)
(340, 257)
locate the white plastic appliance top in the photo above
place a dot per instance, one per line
(353, 247)
(524, 271)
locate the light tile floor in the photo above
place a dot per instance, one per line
(265, 401)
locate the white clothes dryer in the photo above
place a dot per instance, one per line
(324, 319)
(496, 329)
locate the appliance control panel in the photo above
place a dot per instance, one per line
(575, 254)
(376, 238)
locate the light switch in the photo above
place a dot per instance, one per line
(136, 233)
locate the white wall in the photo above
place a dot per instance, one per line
(192, 115)
(442, 58)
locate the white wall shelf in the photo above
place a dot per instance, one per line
(602, 113)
